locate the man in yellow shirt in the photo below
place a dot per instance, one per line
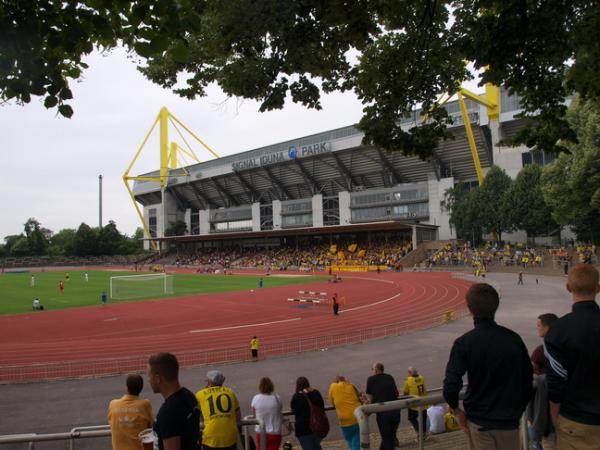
(129, 415)
(345, 397)
(221, 413)
(415, 385)
(254, 348)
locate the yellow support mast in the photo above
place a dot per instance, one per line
(168, 161)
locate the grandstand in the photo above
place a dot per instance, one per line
(327, 187)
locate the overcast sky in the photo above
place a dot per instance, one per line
(50, 165)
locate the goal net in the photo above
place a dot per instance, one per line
(138, 286)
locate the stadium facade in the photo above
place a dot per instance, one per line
(330, 184)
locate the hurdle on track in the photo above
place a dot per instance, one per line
(310, 297)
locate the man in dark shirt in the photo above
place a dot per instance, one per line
(177, 425)
(543, 324)
(381, 387)
(572, 347)
(499, 375)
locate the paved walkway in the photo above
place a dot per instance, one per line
(59, 406)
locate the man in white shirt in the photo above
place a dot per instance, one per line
(435, 416)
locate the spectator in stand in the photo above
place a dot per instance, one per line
(301, 409)
(129, 415)
(344, 396)
(415, 385)
(177, 425)
(538, 412)
(499, 371)
(381, 387)
(573, 352)
(220, 411)
(267, 406)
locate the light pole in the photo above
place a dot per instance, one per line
(100, 201)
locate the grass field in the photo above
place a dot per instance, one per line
(16, 293)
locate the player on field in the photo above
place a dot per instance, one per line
(61, 286)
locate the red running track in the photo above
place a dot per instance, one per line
(127, 333)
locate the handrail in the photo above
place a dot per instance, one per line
(97, 431)
(362, 415)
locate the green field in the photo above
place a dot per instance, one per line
(16, 293)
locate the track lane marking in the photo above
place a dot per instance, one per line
(260, 324)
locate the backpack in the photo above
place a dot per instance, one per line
(318, 421)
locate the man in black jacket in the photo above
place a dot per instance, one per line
(572, 347)
(499, 372)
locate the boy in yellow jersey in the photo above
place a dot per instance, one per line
(415, 385)
(254, 348)
(221, 413)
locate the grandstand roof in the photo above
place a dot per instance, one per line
(326, 163)
(309, 231)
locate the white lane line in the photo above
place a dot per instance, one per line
(112, 319)
(385, 300)
(260, 324)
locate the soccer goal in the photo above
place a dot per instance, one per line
(137, 286)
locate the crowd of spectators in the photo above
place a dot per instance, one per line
(458, 253)
(292, 257)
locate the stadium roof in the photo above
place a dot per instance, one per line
(325, 163)
(307, 231)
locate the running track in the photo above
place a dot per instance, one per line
(199, 324)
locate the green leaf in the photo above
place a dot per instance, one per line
(159, 43)
(65, 111)
(144, 49)
(180, 53)
(50, 101)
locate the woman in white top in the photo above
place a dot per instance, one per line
(267, 407)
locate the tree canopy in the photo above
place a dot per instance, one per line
(571, 184)
(394, 54)
(85, 241)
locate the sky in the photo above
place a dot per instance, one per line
(50, 165)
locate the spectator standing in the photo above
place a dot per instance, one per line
(538, 412)
(381, 387)
(344, 396)
(220, 411)
(496, 362)
(267, 406)
(520, 280)
(415, 385)
(572, 347)
(254, 348)
(129, 415)
(543, 324)
(301, 409)
(177, 424)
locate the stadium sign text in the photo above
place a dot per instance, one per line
(293, 152)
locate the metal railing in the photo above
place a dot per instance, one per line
(109, 366)
(98, 431)
(362, 415)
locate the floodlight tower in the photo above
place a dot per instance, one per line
(100, 201)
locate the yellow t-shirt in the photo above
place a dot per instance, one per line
(451, 422)
(254, 344)
(415, 386)
(218, 405)
(345, 399)
(127, 416)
